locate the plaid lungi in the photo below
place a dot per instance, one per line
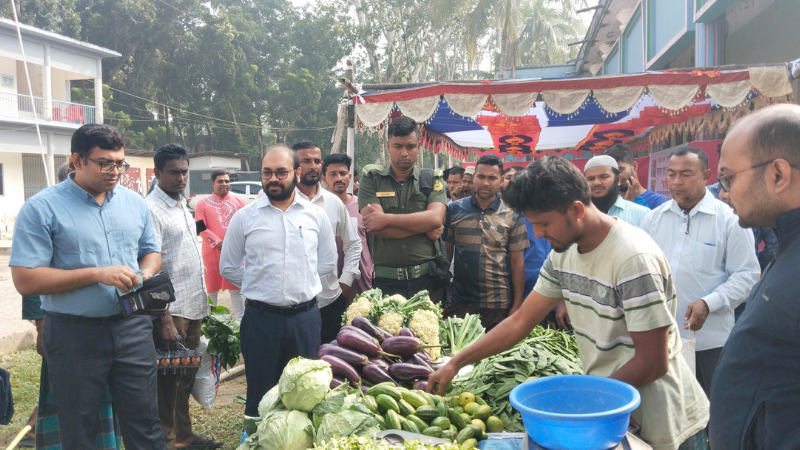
(48, 431)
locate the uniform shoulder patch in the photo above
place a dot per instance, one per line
(438, 173)
(438, 185)
(369, 169)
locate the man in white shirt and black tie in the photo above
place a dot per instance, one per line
(286, 244)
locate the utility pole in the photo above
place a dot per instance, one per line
(351, 125)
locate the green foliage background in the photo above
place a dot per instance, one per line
(240, 75)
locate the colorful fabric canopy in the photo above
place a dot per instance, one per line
(521, 117)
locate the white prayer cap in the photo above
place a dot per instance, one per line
(600, 161)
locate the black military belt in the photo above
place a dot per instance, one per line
(109, 319)
(283, 310)
(402, 273)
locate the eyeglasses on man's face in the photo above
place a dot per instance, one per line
(267, 174)
(108, 167)
(725, 180)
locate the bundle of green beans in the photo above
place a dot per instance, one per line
(545, 352)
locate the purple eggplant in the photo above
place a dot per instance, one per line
(407, 372)
(380, 362)
(362, 323)
(321, 350)
(421, 385)
(418, 360)
(407, 332)
(364, 389)
(404, 346)
(333, 342)
(357, 330)
(375, 374)
(424, 355)
(355, 359)
(341, 368)
(336, 382)
(360, 343)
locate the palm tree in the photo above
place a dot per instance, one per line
(539, 27)
(547, 32)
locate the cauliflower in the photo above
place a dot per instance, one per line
(391, 321)
(359, 308)
(425, 324)
(398, 298)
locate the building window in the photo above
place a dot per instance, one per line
(33, 178)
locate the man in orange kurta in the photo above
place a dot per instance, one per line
(216, 212)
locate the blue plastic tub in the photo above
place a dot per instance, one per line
(575, 412)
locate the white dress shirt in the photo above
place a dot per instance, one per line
(711, 257)
(180, 254)
(285, 253)
(345, 230)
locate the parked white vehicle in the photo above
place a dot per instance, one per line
(246, 190)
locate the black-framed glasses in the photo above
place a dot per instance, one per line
(267, 174)
(107, 167)
(725, 180)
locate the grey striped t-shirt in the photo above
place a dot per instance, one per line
(622, 286)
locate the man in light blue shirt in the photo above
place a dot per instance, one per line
(602, 174)
(74, 243)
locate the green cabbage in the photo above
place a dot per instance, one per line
(332, 403)
(304, 383)
(270, 402)
(343, 423)
(286, 430)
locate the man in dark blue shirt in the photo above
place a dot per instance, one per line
(629, 186)
(755, 394)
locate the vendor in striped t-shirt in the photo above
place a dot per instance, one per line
(619, 294)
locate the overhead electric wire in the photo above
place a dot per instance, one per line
(30, 93)
(221, 120)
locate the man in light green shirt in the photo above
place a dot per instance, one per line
(619, 293)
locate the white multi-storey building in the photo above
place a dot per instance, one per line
(54, 62)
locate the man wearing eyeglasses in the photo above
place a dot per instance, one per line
(74, 244)
(287, 245)
(711, 256)
(755, 398)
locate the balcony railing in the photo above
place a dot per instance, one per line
(22, 107)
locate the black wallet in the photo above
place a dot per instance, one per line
(153, 298)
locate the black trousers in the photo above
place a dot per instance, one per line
(331, 315)
(409, 288)
(705, 363)
(269, 341)
(82, 356)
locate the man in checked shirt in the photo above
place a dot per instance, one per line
(176, 232)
